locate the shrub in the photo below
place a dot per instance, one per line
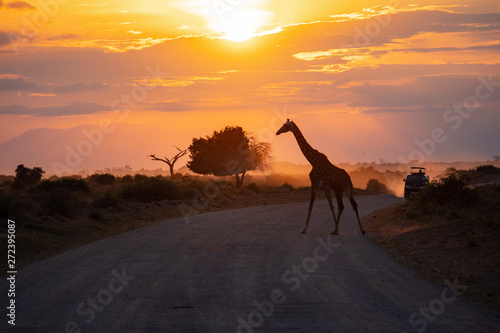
(68, 184)
(104, 179)
(487, 170)
(58, 201)
(176, 177)
(6, 180)
(23, 206)
(5, 204)
(286, 188)
(106, 201)
(152, 189)
(127, 179)
(253, 187)
(140, 178)
(451, 189)
(375, 186)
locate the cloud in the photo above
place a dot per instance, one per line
(380, 10)
(428, 92)
(169, 107)
(10, 82)
(91, 4)
(64, 37)
(7, 84)
(124, 45)
(74, 109)
(17, 5)
(42, 95)
(80, 86)
(4, 38)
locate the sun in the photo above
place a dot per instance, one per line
(242, 25)
(235, 21)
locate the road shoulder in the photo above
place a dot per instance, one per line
(440, 249)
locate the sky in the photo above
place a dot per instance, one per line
(365, 81)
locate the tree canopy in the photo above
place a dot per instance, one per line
(231, 151)
(27, 177)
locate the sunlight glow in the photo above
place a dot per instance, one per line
(242, 25)
(236, 21)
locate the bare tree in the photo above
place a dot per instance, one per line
(171, 161)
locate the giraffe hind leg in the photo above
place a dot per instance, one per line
(355, 207)
(332, 208)
(341, 209)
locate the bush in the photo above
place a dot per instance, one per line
(23, 206)
(58, 201)
(106, 201)
(69, 184)
(6, 180)
(152, 189)
(127, 179)
(487, 170)
(253, 187)
(375, 186)
(177, 177)
(5, 204)
(103, 179)
(141, 178)
(451, 189)
(286, 188)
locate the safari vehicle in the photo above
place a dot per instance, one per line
(415, 181)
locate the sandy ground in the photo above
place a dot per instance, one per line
(244, 270)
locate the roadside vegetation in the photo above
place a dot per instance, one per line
(450, 229)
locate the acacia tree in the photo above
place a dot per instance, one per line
(231, 151)
(170, 161)
(27, 176)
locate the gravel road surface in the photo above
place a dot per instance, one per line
(245, 270)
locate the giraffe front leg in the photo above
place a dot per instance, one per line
(311, 204)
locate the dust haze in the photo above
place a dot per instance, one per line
(389, 174)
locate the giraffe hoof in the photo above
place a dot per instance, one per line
(334, 233)
(303, 232)
(363, 232)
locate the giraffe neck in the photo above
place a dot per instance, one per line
(311, 154)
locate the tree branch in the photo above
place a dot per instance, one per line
(170, 161)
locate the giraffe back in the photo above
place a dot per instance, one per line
(330, 177)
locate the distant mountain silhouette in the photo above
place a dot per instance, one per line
(128, 144)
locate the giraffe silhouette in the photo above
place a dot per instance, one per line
(324, 176)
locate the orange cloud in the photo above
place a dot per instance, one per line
(17, 5)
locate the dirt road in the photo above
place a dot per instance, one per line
(247, 270)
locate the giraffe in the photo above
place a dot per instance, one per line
(325, 176)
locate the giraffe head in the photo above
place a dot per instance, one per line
(287, 127)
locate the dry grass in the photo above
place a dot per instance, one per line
(440, 246)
